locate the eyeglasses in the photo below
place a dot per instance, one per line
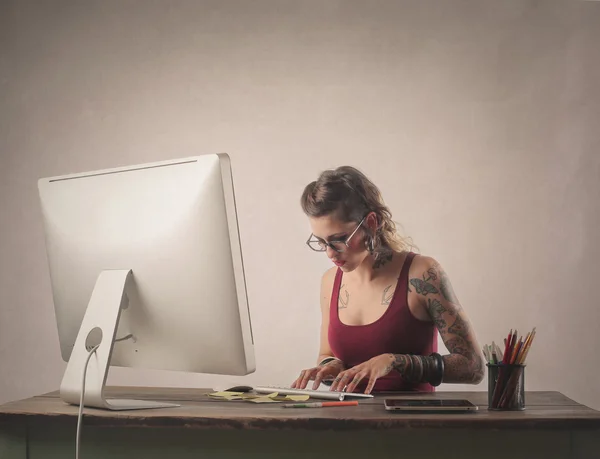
(319, 245)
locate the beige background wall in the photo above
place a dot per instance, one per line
(479, 120)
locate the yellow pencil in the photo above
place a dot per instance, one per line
(528, 345)
(516, 350)
(523, 348)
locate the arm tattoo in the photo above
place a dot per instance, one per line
(436, 311)
(459, 327)
(458, 346)
(463, 365)
(445, 285)
(387, 296)
(423, 287)
(432, 274)
(400, 363)
(344, 298)
(391, 365)
(459, 369)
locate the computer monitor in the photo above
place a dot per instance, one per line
(146, 263)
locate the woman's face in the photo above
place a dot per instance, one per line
(329, 228)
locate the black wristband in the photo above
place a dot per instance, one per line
(438, 376)
(324, 362)
(327, 360)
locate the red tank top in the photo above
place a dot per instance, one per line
(397, 331)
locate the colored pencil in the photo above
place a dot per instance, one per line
(510, 365)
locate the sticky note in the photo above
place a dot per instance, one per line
(225, 394)
(262, 400)
(297, 398)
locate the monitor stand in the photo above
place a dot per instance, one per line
(99, 328)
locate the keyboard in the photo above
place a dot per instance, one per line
(322, 394)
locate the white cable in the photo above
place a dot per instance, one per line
(92, 351)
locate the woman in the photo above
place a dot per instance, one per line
(382, 305)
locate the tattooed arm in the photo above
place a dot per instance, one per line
(465, 362)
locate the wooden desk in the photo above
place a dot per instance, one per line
(553, 426)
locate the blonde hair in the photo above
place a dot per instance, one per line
(347, 194)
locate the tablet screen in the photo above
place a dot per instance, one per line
(429, 403)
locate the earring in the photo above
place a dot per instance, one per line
(370, 244)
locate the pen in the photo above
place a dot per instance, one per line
(319, 404)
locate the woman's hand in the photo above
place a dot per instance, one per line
(328, 372)
(370, 370)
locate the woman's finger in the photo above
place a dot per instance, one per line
(307, 375)
(372, 381)
(298, 380)
(319, 377)
(358, 377)
(336, 381)
(342, 380)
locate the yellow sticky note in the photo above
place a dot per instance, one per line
(263, 400)
(225, 394)
(297, 398)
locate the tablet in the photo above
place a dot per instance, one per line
(429, 405)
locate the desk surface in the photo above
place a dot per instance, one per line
(545, 410)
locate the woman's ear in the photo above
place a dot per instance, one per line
(372, 222)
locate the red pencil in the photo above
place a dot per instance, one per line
(506, 346)
(511, 342)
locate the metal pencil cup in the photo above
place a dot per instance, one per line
(506, 387)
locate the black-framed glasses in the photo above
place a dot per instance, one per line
(319, 245)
